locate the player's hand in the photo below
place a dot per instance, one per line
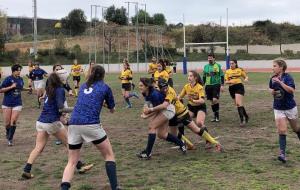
(41, 98)
(147, 110)
(276, 79)
(246, 79)
(14, 85)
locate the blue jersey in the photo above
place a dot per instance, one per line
(12, 98)
(50, 112)
(37, 74)
(155, 97)
(89, 103)
(286, 100)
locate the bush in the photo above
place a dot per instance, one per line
(203, 50)
(288, 52)
(195, 50)
(43, 52)
(241, 51)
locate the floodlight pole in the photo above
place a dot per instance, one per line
(227, 42)
(184, 50)
(145, 46)
(35, 28)
(128, 30)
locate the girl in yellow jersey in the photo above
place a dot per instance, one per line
(182, 114)
(169, 71)
(76, 71)
(126, 78)
(196, 100)
(233, 77)
(161, 72)
(152, 66)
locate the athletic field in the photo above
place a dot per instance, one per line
(249, 160)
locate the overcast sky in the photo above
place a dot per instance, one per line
(196, 11)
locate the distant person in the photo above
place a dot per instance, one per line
(30, 68)
(234, 78)
(170, 72)
(152, 66)
(282, 87)
(12, 101)
(213, 79)
(126, 77)
(161, 72)
(37, 76)
(76, 71)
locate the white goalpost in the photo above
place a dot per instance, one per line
(185, 44)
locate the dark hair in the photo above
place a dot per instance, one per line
(211, 55)
(126, 63)
(53, 82)
(97, 74)
(56, 65)
(148, 82)
(167, 62)
(236, 63)
(197, 77)
(15, 67)
(161, 61)
(281, 63)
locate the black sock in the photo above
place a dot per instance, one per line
(173, 139)
(298, 134)
(79, 165)
(27, 168)
(180, 131)
(151, 140)
(244, 112)
(65, 186)
(215, 108)
(241, 113)
(111, 172)
(7, 131)
(282, 143)
(12, 132)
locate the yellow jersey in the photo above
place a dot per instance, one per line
(76, 70)
(126, 76)
(152, 68)
(169, 70)
(235, 75)
(171, 97)
(163, 74)
(193, 92)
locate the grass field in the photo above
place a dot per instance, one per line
(249, 160)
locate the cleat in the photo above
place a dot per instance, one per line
(215, 120)
(183, 149)
(144, 155)
(27, 175)
(219, 148)
(128, 107)
(282, 158)
(85, 168)
(10, 143)
(58, 142)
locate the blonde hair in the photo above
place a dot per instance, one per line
(281, 63)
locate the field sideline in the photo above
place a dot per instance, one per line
(249, 161)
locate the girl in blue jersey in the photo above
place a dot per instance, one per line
(159, 111)
(49, 121)
(282, 88)
(85, 125)
(12, 101)
(37, 76)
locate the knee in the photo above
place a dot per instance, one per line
(162, 135)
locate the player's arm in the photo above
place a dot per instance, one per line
(182, 94)
(160, 107)
(6, 86)
(109, 99)
(290, 87)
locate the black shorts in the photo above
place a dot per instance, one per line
(236, 89)
(185, 120)
(212, 91)
(170, 82)
(195, 109)
(76, 78)
(126, 86)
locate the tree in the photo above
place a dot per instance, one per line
(141, 15)
(116, 15)
(3, 29)
(159, 19)
(75, 23)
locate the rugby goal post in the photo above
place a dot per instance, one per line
(185, 44)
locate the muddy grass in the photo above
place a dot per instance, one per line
(249, 160)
